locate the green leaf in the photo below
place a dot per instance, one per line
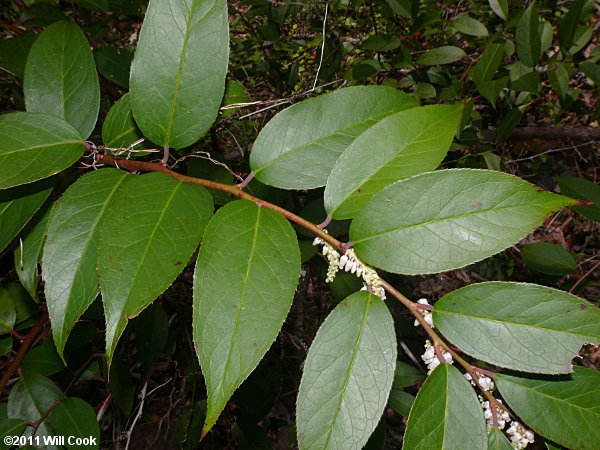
(42, 360)
(25, 307)
(121, 384)
(8, 313)
(35, 146)
(151, 332)
(470, 26)
(567, 25)
(500, 7)
(61, 78)
(406, 375)
(529, 42)
(18, 205)
(75, 417)
(497, 440)
(298, 148)
(401, 402)
(151, 230)
(548, 258)
(10, 427)
(517, 325)
(572, 405)
(583, 190)
(448, 219)
(119, 129)
(113, 63)
(402, 145)
(31, 397)
(491, 89)
(591, 70)
(96, 5)
(441, 55)
(351, 359)
(381, 42)
(446, 414)
(234, 94)
(208, 170)
(178, 71)
(488, 64)
(29, 253)
(244, 284)
(559, 79)
(14, 51)
(508, 124)
(70, 255)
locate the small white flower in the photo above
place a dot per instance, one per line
(423, 301)
(317, 241)
(343, 261)
(486, 383)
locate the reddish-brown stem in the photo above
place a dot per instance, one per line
(27, 341)
(237, 192)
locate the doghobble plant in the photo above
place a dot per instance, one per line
(498, 354)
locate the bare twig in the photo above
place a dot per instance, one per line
(322, 46)
(553, 150)
(138, 415)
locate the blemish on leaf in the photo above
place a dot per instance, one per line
(178, 263)
(476, 206)
(583, 306)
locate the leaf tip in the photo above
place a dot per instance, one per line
(584, 203)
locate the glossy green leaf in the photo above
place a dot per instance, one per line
(470, 26)
(42, 360)
(178, 71)
(517, 325)
(121, 385)
(584, 190)
(244, 284)
(31, 397)
(571, 403)
(70, 255)
(446, 414)
(18, 205)
(548, 258)
(441, 55)
(401, 402)
(402, 145)
(114, 63)
(351, 359)
(498, 441)
(448, 219)
(488, 64)
(29, 253)
(25, 307)
(8, 313)
(406, 375)
(61, 78)
(298, 148)
(75, 417)
(14, 51)
(559, 78)
(500, 7)
(583, 34)
(35, 146)
(151, 230)
(529, 42)
(119, 129)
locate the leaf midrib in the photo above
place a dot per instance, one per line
(242, 298)
(350, 367)
(505, 322)
(38, 147)
(448, 218)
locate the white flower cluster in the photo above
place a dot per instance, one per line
(426, 314)
(519, 435)
(501, 416)
(350, 263)
(486, 383)
(431, 359)
(333, 257)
